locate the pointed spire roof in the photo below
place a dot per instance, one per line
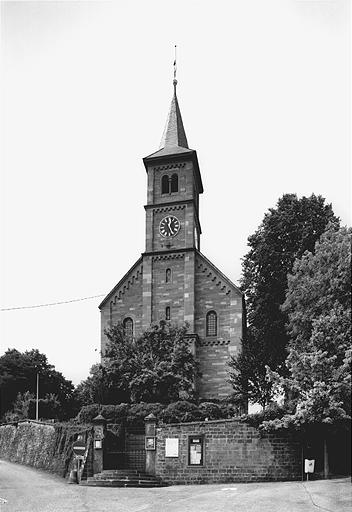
(174, 132)
(174, 140)
(174, 143)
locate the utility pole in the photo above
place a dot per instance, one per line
(37, 400)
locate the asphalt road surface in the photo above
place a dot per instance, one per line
(24, 489)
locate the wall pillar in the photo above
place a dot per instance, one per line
(150, 453)
(99, 423)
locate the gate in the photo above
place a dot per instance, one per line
(124, 447)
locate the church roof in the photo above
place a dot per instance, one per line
(174, 140)
(174, 132)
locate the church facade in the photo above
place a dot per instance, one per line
(173, 280)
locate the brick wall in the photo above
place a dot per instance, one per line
(214, 292)
(125, 302)
(233, 452)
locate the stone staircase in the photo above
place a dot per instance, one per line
(122, 478)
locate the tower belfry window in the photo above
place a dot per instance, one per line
(174, 183)
(165, 184)
(169, 184)
(211, 324)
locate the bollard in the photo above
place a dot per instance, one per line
(73, 477)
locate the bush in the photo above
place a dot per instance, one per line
(138, 412)
(87, 413)
(181, 412)
(210, 411)
(272, 412)
(115, 413)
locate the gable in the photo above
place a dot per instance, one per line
(124, 283)
(216, 275)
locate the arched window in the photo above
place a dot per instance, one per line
(167, 313)
(168, 275)
(128, 327)
(165, 184)
(211, 324)
(174, 183)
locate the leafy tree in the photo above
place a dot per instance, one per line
(93, 389)
(18, 374)
(318, 304)
(157, 367)
(286, 232)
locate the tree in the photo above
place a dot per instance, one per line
(156, 367)
(18, 374)
(286, 232)
(318, 304)
(94, 389)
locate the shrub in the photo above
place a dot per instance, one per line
(211, 411)
(115, 413)
(138, 412)
(272, 412)
(180, 412)
(87, 413)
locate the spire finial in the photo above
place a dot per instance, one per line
(175, 69)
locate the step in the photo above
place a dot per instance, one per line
(121, 472)
(122, 483)
(138, 476)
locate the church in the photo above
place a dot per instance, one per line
(172, 279)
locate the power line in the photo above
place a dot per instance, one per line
(53, 303)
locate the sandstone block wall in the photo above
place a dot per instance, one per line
(233, 452)
(214, 292)
(127, 301)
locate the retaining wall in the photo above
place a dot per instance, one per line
(233, 452)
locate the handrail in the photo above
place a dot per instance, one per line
(85, 456)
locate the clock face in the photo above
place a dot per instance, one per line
(169, 226)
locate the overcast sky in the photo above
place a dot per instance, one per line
(86, 86)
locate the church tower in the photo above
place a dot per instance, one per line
(172, 226)
(172, 280)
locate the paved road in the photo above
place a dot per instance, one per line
(30, 490)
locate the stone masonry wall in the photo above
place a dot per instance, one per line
(233, 452)
(126, 302)
(30, 443)
(214, 292)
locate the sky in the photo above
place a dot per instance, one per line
(264, 92)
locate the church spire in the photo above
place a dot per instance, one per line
(174, 132)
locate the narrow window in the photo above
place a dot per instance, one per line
(165, 184)
(168, 275)
(174, 183)
(128, 327)
(167, 313)
(211, 321)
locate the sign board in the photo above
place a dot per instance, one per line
(309, 465)
(171, 447)
(150, 443)
(79, 447)
(195, 450)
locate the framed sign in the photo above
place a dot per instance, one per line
(150, 442)
(196, 450)
(171, 447)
